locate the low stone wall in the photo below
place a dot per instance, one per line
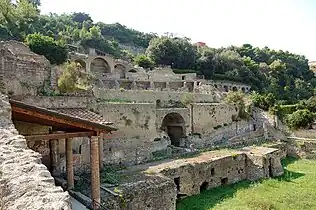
(190, 176)
(25, 183)
(307, 133)
(151, 96)
(56, 101)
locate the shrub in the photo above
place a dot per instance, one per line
(299, 119)
(264, 102)
(73, 79)
(187, 99)
(238, 99)
(144, 61)
(55, 52)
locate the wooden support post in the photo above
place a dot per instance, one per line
(54, 156)
(95, 170)
(69, 164)
(101, 151)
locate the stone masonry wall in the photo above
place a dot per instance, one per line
(211, 116)
(191, 176)
(25, 183)
(24, 71)
(134, 141)
(151, 96)
(212, 124)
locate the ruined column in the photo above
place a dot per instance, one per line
(95, 170)
(54, 156)
(69, 164)
(101, 151)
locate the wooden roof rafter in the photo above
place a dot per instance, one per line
(58, 120)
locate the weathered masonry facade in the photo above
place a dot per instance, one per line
(157, 186)
(130, 117)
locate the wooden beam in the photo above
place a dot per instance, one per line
(59, 136)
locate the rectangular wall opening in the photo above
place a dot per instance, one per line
(177, 182)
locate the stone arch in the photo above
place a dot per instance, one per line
(174, 125)
(225, 88)
(99, 67)
(234, 89)
(120, 69)
(243, 89)
(82, 64)
(132, 71)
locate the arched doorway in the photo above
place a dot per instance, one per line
(243, 89)
(225, 88)
(235, 89)
(82, 64)
(174, 125)
(99, 66)
(120, 69)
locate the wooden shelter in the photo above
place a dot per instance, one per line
(67, 124)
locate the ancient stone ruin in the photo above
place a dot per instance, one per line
(25, 183)
(146, 121)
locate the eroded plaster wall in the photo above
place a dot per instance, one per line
(134, 142)
(213, 124)
(134, 120)
(207, 117)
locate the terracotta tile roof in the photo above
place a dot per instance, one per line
(56, 116)
(83, 114)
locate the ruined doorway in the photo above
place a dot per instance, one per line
(120, 69)
(175, 133)
(174, 125)
(204, 187)
(99, 67)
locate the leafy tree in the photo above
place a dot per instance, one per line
(144, 61)
(16, 19)
(44, 45)
(81, 17)
(300, 119)
(175, 52)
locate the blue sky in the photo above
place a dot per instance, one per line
(279, 24)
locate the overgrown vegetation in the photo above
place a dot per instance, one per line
(73, 78)
(294, 190)
(300, 119)
(54, 51)
(109, 175)
(144, 61)
(242, 105)
(275, 74)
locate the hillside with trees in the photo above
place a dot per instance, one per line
(276, 75)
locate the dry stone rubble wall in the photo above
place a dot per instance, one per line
(25, 183)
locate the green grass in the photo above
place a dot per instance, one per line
(295, 190)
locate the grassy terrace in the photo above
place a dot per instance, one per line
(296, 189)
